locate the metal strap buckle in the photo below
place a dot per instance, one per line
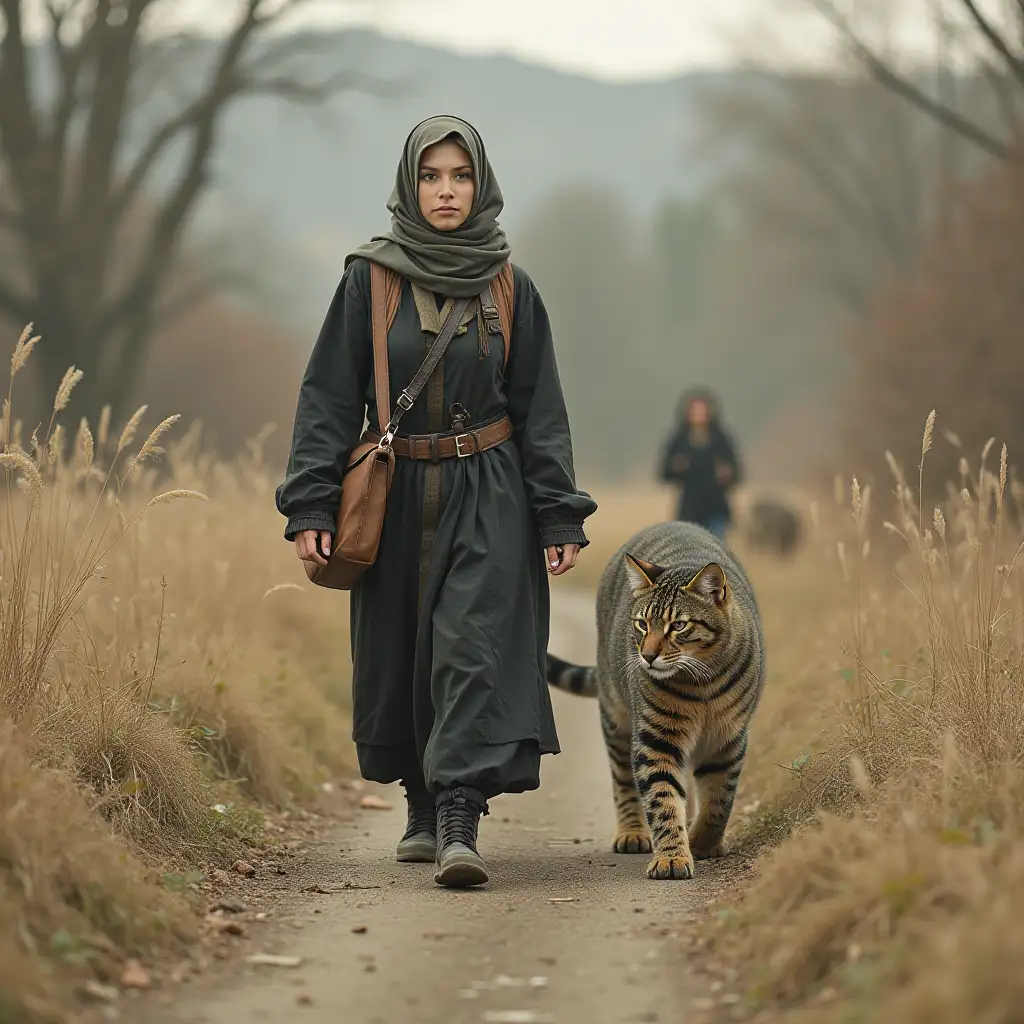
(384, 444)
(460, 439)
(491, 318)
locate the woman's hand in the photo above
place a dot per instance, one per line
(562, 558)
(306, 549)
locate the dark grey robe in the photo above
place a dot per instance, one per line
(448, 665)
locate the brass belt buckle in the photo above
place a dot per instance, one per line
(460, 439)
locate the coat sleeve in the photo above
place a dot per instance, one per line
(675, 446)
(331, 408)
(731, 456)
(540, 423)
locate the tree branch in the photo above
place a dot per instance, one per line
(170, 220)
(902, 86)
(996, 41)
(1006, 96)
(19, 133)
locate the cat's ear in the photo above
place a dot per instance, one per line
(711, 582)
(642, 575)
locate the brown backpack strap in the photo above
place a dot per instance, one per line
(504, 290)
(385, 295)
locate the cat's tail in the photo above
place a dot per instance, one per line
(578, 679)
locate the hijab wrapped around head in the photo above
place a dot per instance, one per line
(458, 263)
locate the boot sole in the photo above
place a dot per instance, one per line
(461, 872)
(417, 851)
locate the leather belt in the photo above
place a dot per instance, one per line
(434, 447)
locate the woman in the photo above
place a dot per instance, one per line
(449, 628)
(700, 459)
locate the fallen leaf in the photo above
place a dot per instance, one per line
(370, 802)
(243, 867)
(272, 960)
(135, 975)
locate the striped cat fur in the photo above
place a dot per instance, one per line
(680, 670)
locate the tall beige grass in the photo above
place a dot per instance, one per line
(162, 676)
(896, 794)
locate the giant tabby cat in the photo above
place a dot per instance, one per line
(680, 669)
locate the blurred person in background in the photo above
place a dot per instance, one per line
(700, 460)
(449, 627)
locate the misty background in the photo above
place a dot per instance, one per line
(735, 223)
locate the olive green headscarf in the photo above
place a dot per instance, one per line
(457, 263)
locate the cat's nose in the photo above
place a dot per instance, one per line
(649, 658)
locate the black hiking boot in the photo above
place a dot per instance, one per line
(458, 817)
(419, 844)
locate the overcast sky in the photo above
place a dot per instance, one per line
(625, 39)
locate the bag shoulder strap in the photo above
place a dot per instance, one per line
(427, 367)
(497, 302)
(385, 295)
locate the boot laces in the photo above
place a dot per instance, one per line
(458, 816)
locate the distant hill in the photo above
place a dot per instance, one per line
(319, 179)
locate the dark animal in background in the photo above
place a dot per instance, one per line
(774, 526)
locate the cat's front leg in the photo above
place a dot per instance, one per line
(660, 772)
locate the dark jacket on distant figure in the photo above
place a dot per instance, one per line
(704, 469)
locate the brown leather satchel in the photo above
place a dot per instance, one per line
(371, 466)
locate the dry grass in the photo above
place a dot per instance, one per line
(888, 764)
(158, 664)
(886, 776)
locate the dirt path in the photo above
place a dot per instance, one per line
(513, 951)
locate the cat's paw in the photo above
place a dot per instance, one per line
(680, 866)
(700, 852)
(632, 841)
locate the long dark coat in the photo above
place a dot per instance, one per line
(694, 470)
(449, 628)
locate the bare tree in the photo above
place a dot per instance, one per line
(79, 178)
(836, 170)
(996, 47)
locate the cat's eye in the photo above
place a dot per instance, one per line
(640, 625)
(682, 628)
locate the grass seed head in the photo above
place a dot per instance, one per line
(103, 430)
(130, 428)
(23, 349)
(67, 385)
(19, 461)
(929, 430)
(175, 495)
(85, 443)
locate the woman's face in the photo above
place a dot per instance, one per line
(698, 415)
(446, 186)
